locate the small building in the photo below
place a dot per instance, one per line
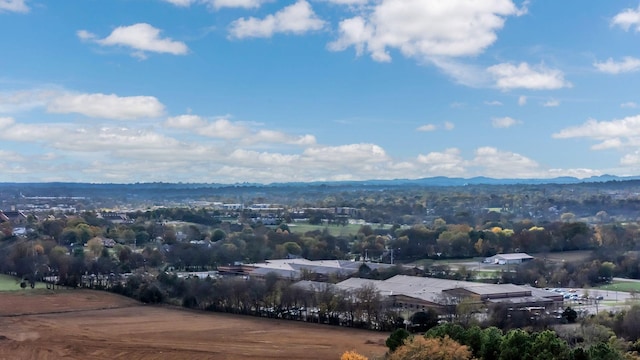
(15, 217)
(508, 259)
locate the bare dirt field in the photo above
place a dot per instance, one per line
(81, 324)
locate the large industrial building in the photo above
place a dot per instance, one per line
(419, 293)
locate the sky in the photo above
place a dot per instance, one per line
(234, 91)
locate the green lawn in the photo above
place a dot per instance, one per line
(10, 283)
(626, 286)
(335, 230)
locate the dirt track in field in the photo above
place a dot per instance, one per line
(80, 324)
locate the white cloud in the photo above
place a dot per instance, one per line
(349, 2)
(523, 76)
(278, 137)
(425, 29)
(432, 127)
(19, 6)
(140, 37)
(6, 122)
(630, 159)
(16, 101)
(504, 122)
(446, 163)
(629, 104)
(218, 4)
(61, 101)
(181, 3)
(522, 100)
(493, 103)
(351, 153)
(247, 4)
(551, 103)
(107, 106)
(627, 18)
(427, 128)
(505, 164)
(298, 18)
(185, 122)
(222, 128)
(602, 130)
(628, 64)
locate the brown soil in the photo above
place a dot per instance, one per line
(80, 324)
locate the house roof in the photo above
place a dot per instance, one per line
(513, 256)
(294, 267)
(431, 289)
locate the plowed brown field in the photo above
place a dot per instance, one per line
(81, 324)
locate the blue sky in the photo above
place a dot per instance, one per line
(265, 91)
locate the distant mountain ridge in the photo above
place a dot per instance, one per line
(429, 181)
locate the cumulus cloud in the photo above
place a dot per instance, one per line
(222, 128)
(106, 153)
(424, 29)
(217, 4)
(504, 122)
(107, 106)
(522, 100)
(619, 128)
(19, 6)
(616, 134)
(433, 127)
(247, 4)
(427, 128)
(181, 3)
(493, 103)
(60, 101)
(629, 104)
(628, 18)
(505, 163)
(523, 76)
(6, 122)
(23, 100)
(185, 122)
(628, 64)
(298, 18)
(446, 163)
(349, 2)
(551, 103)
(356, 153)
(141, 37)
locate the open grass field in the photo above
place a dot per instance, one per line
(83, 324)
(10, 283)
(565, 256)
(335, 230)
(627, 286)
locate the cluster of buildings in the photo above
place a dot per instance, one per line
(412, 293)
(419, 293)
